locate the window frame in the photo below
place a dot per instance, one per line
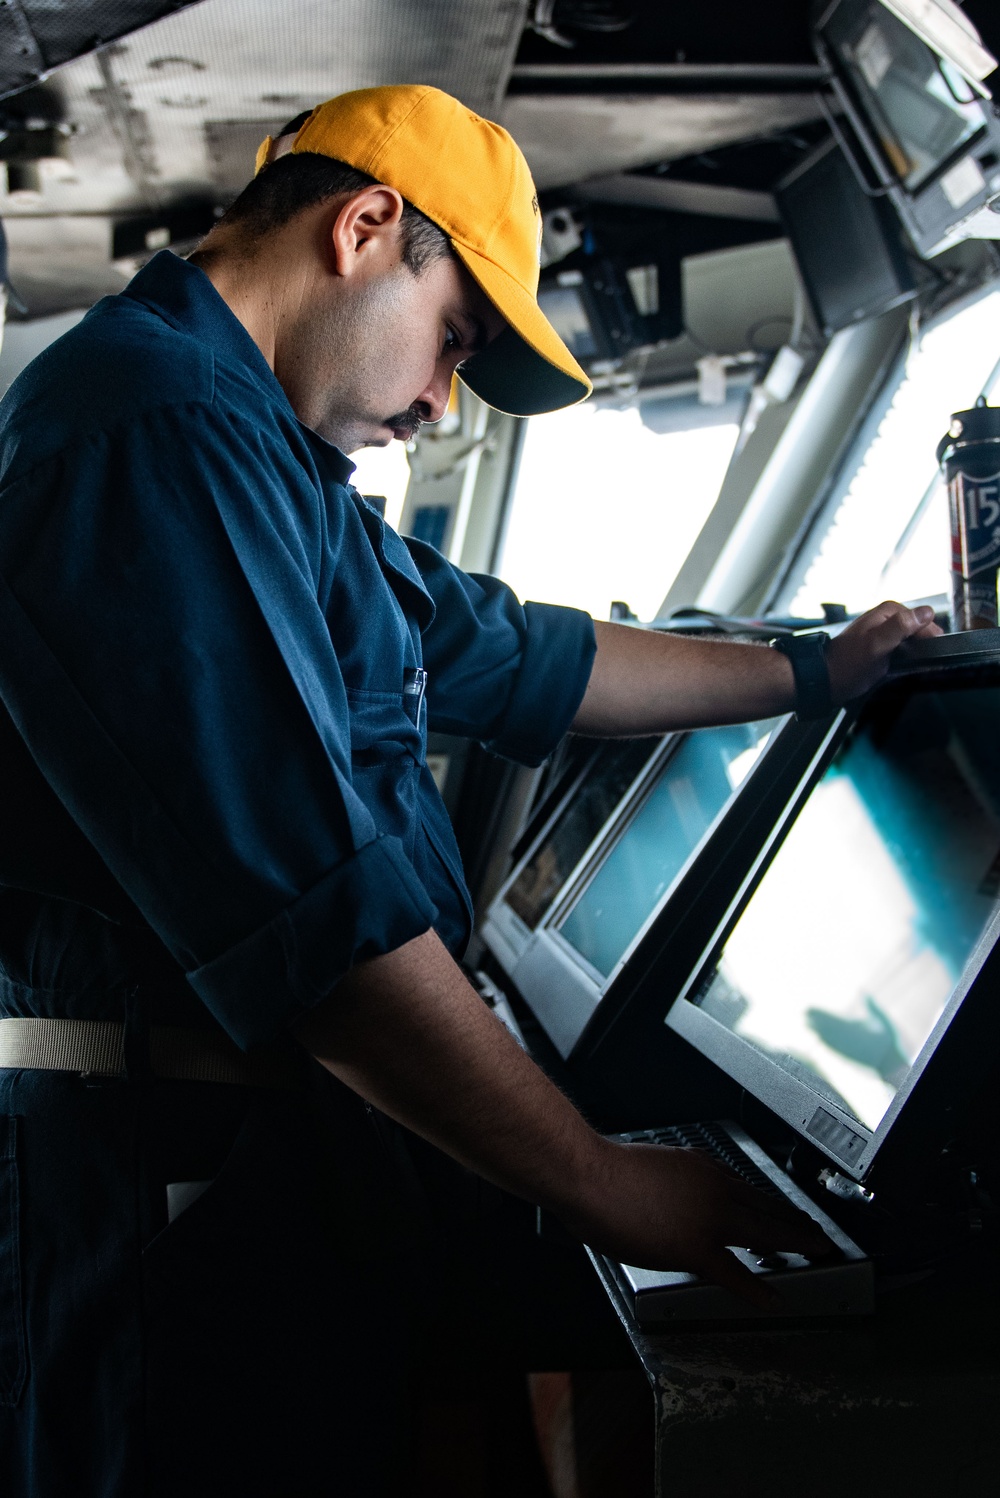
(822, 513)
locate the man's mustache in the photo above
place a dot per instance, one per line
(407, 422)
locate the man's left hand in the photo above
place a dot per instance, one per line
(859, 657)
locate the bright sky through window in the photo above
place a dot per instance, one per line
(383, 470)
(604, 508)
(944, 374)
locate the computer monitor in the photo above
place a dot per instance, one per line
(928, 140)
(582, 807)
(851, 986)
(550, 865)
(592, 889)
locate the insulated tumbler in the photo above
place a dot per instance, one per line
(970, 455)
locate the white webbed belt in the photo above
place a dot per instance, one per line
(97, 1048)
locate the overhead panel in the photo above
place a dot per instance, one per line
(568, 137)
(638, 191)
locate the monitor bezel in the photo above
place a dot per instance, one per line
(850, 1144)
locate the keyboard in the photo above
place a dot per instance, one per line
(841, 1284)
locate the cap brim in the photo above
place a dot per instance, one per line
(527, 369)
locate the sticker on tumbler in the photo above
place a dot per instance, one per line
(979, 503)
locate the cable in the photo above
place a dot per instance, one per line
(841, 139)
(541, 23)
(798, 312)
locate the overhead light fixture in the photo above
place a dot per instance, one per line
(948, 30)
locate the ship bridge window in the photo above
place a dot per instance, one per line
(885, 532)
(383, 473)
(605, 507)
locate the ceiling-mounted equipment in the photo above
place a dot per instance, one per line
(912, 126)
(949, 32)
(606, 308)
(549, 18)
(26, 147)
(561, 235)
(850, 247)
(179, 227)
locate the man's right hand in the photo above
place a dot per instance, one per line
(408, 1033)
(671, 1208)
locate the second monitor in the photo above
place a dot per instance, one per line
(591, 891)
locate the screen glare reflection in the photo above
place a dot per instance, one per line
(854, 940)
(694, 786)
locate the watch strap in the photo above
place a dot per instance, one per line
(807, 654)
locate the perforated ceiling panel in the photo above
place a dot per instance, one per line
(38, 35)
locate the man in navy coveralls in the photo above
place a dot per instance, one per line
(226, 872)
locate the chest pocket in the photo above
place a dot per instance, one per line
(387, 751)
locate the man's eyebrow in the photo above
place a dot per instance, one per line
(477, 329)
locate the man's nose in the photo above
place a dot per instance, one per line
(436, 396)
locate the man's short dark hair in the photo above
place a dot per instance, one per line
(300, 180)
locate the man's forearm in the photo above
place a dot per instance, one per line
(408, 1033)
(645, 682)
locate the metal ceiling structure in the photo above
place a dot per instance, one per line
(39, 35)
(169, 118)
(127, 124)
(570, 137)
(136, 143)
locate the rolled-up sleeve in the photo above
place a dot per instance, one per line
(507, 674)
(300, 953)
(169, 668)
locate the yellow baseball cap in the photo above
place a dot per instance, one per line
(469, 176)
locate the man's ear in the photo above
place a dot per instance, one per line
(365, 226)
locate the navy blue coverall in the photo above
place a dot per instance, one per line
(214, 802)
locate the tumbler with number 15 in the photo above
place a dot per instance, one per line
(970, 454)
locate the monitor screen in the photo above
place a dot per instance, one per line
(921, 108)
(852, 943)
(615, 767)
(696, 782)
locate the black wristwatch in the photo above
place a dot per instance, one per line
(807, 654)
